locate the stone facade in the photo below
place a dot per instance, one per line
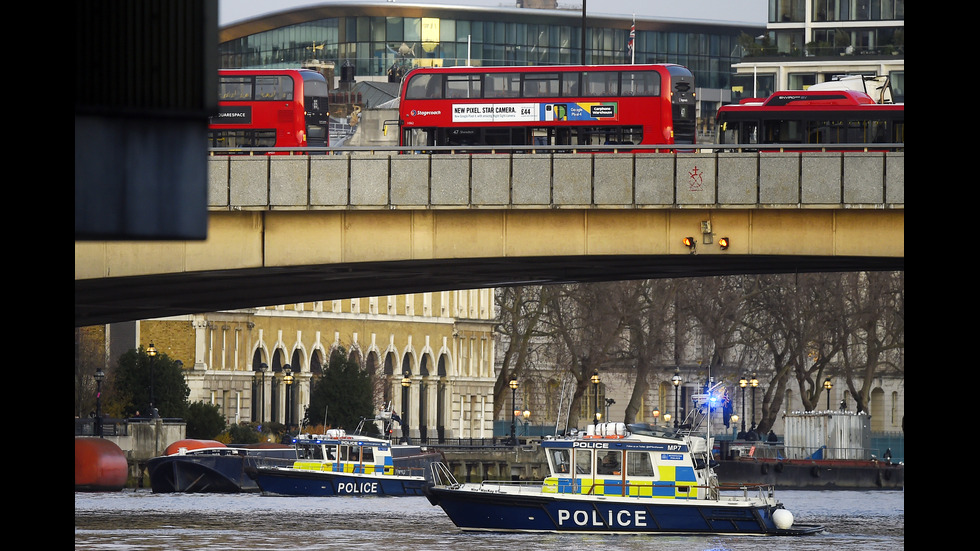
(443, 340)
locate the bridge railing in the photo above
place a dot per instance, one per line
(710, 176)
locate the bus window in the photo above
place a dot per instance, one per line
(783, 131)
(600, 83)
(424, 87)
(748, 132)
(541, 85)
(242, 138)
(274, 88)
(502, 85)
(415, 137)
(641, 83)
(857, 132)
(570, 84)
(459, 136)
(462, 86)
(235, 88)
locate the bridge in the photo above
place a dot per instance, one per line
(296, 228)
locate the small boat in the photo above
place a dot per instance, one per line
(337, 463)
(617, 479)
(209, 466)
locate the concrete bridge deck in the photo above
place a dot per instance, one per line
(288, 229)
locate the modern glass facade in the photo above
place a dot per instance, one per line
(836, 27)
(812, 41)
(374, 38)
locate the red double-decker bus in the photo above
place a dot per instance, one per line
(271, 108)
(819, 118)
(547, 106)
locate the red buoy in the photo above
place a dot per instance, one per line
(100, 466)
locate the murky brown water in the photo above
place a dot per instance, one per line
(141, 520)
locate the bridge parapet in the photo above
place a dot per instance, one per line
(388, 180)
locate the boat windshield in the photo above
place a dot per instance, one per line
(654, 430)
(560, 461)
(583, 461)
(638, 464)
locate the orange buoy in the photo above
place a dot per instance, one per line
(100, 466)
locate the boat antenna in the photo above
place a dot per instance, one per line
(561, 400)
(325, 410)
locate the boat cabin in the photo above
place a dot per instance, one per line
(338, 452)
(610, 460)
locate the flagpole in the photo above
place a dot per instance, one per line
(633, 41)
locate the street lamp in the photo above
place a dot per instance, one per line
(667, 417)
(526, 415)
(656, 415)
(262, 367)
(754, 381)
(99, 377)
(676, 381)
(152, 353)
(513, 407)
(827, 386)
(288, 379)
(406, 382)
(742, 383)
(595, 384)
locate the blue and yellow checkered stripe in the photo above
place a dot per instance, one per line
(673, 483)
(345, 467)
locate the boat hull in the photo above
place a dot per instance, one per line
(475, 510)
(299, 482)
(813, 474)
(206, 473)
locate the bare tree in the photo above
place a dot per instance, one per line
(873, 330)
(587, 327)
(519, 314)
(791, 320)
(649, 317)
(90, 356)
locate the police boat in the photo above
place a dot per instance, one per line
(337, 463)
(617, 479)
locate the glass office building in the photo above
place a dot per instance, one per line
(373, 38)
(809, 42)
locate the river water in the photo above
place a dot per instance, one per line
(141, 520)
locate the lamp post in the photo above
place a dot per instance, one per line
(595, 385)
(513, 408)
(288, 379)
(526, 415)
(406, 382)
(99, 377)
(754, 381)
(742, 383)
(656, 415)
(667, 417)
(152, 353)
(262, 368)
(827, 385)
(676, 381)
